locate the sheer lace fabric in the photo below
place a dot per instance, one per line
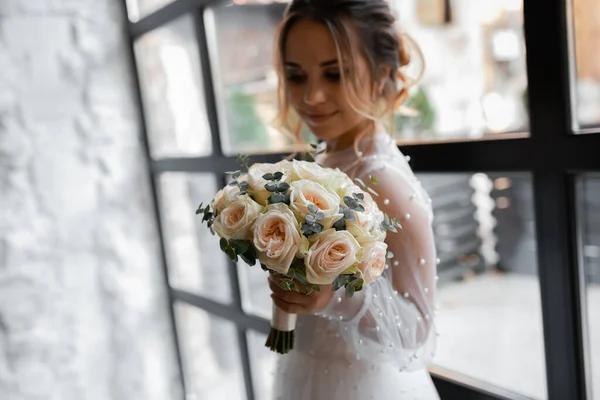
(384, 336)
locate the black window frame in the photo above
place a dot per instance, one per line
(553, 153)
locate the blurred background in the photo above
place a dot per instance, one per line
(117, 118)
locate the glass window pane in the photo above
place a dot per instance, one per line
(589, 210)
(490, 312)
(245, 80)
(172, 92)
(255, 290)
(262, 362)
(195, 261)
(481, 93)
(210, 355)
(587, 41)
(138, 9)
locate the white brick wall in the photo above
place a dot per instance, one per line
(83, 310)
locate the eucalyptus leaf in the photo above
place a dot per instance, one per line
(357, 282)
(317, 228)
(340, 281)
(231, 254)
(283, 187)
(302, 279)
(349, 201)
(312, 208)
(268, 177)
(271, 187)
(350, 291)
(294, 287)
(277, 198)
(277, 175)
(223, 244)
(240, 246)
(340, 224)
(350, 216)
(359, 196)
(359, 208)
(306, 229)
(310, 218)
(251, 261)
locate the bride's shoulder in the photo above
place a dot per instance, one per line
(384, 153)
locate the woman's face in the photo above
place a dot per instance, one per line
(313, 81)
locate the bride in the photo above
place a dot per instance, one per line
(340, 65)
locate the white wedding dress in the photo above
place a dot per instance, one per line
(377, 344)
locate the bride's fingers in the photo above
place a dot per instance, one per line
(291, 296)
(290, 308)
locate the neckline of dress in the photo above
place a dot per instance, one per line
(351, 148)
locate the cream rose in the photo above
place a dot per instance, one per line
(224, 197)
(257, 182)
(278, 239)
(373, 261)
(236, 219)
(333, 253)
(307, 192)
(333, 179)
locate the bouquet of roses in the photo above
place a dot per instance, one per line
(304, 223)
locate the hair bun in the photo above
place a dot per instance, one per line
(403, 51)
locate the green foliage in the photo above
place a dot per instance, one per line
(311, 224)
(242, 248)
(280, 190)
(425, 121)
(297, 274)
(208, 214)
(350, 282)
(245, 126)
(391, 225)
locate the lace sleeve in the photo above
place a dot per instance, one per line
(392, 319)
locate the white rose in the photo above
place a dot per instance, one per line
(257, 182)
(333, 253)
(332, 179)
(373, 261)
(225, 196)
(278, 239)
(236, 219)
(307, 192)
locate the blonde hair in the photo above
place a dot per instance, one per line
(388, 49)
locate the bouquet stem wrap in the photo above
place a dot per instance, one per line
(281, 336)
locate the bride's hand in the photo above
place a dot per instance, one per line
(300, 303)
